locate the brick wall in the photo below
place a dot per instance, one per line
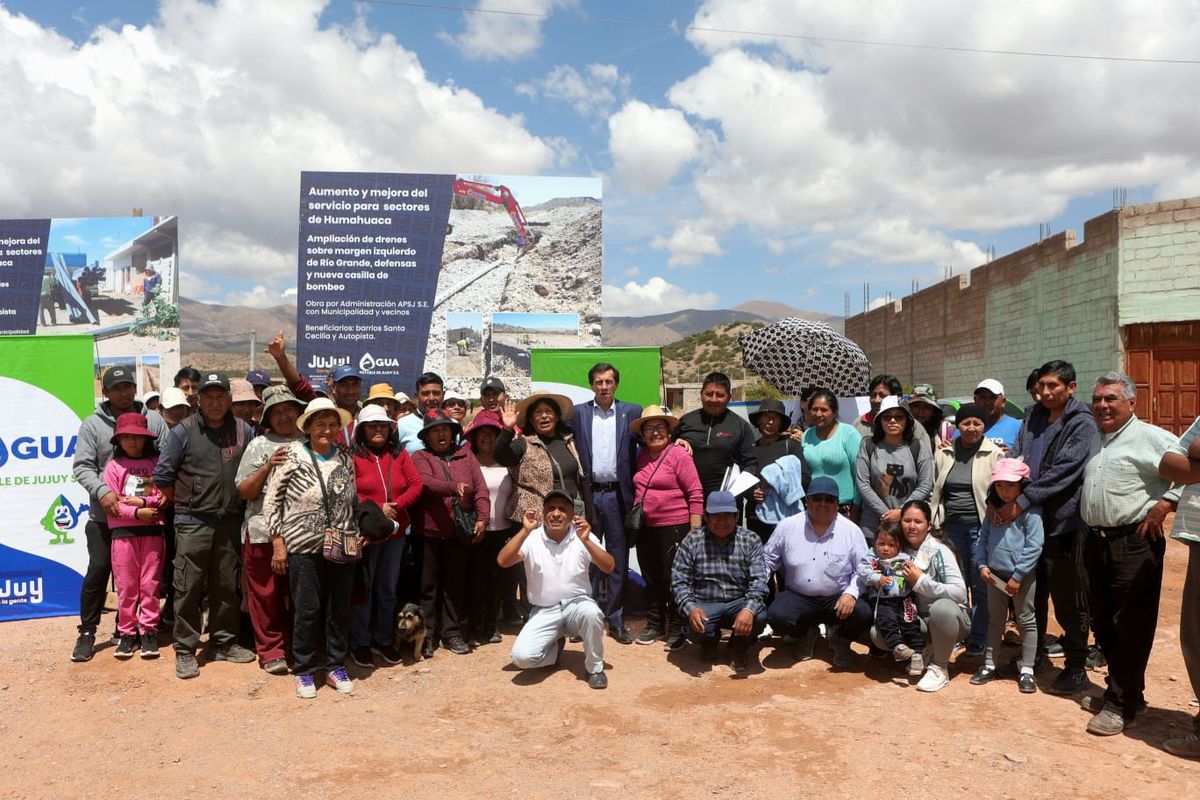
(1160, 262)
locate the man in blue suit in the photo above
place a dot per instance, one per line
(606, 450)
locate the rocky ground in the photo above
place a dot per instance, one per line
(483, 270)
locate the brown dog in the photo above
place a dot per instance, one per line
(410, 629)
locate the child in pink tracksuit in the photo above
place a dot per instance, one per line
(137, 535)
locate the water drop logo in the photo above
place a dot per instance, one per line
(61, 518)
(366, 363)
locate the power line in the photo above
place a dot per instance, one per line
(633, 23)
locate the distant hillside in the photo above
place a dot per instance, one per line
(663, 329)
(689, 359)
(561, 202)
(226, 329)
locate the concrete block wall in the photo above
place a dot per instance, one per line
(1053, 299)
(1159, 279)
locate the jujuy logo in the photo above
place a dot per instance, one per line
(61, 518)
(326, 362)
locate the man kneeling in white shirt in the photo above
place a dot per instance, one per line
(557, 555)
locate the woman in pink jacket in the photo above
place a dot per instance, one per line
(137, 535)
(668, 487)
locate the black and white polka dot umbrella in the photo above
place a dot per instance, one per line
(794, 353)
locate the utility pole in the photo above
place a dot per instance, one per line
(253, 349)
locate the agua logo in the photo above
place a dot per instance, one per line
(326, 362)
(28, 448)
(369, 363)
(21, 588)
(61, 518)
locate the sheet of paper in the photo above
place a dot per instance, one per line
(743, 482)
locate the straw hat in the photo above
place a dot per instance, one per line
(654, 412)
(381, 391)
(565, 407)
(319, 404)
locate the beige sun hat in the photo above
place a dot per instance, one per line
(565, 407)
(319, 404)
(654, 412)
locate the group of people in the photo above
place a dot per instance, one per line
(324, 512)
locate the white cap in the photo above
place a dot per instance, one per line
(453, 395)
(150, 396)
(890, 402)
(402, 398)
(172, 398)
(991, 385)
(373, 413)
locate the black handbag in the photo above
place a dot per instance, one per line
(464, 520)
(635, 517)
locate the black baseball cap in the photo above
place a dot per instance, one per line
(492, 383)
(115, 376)
(211, 379)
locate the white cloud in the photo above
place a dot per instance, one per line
(591, 93)
(258, 297)
(503, 36)
(650, 145)
(656, 294)
(687, 244)
(212, 111)
(812, 138)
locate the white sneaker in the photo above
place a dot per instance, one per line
(306, 687)
(934, 680)
(338, 679)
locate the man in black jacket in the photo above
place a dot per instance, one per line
(1056, 439)
(197, 471)
(717, 438)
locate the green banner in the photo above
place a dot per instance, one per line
(46, 387)
(565, 371)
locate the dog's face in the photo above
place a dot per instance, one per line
(409, 622)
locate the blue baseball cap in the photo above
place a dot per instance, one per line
(256, 377)
(346, 371)
(824, 485)
(721, 503)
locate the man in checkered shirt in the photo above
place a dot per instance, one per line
(719, 580)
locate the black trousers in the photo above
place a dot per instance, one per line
(1060, 578)
(484, 584)
(95, 580)
(1124, 580)
(656, 548)
(321, 597)
(889, 621)
(444, 571)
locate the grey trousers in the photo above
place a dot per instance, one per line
(207, 564)
(1023, 608)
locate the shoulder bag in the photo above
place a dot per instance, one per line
(635, 518)
(341, 545)
(464, 519)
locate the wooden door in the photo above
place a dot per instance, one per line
(1175, 389)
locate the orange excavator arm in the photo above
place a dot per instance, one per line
(499, 195)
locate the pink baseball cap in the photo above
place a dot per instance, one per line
(1010, 469)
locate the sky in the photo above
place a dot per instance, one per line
(789, 150)
(95, 237)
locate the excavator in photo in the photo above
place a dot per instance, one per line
(501, 195)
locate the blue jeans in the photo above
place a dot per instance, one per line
(721, 615)
(612, 529)
(792, 612)
(373, 622)
(963, 536)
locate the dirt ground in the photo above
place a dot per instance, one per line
(667, 727)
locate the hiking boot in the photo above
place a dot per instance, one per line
(338, 679)
(233, 653)
(456, 645)
(362, 657)
(306, 687)
(126, 646)
(934, 680)
(621, 634)
(149, 644)
(1095, 704)
(1186, 746)
(843, 656)
(648, 636)
(1027, 683)
(85, 646)
(916, 666)
(803, 650)
(388, 653)
(1095, 658)
(1071, 680)
(186, 665)
(675, 642)
(983, 675)
(276, 666)
(1108, 722)
(598, 680)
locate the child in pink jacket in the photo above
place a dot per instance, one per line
(137, 535)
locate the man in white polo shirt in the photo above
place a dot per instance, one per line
(557, 555)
